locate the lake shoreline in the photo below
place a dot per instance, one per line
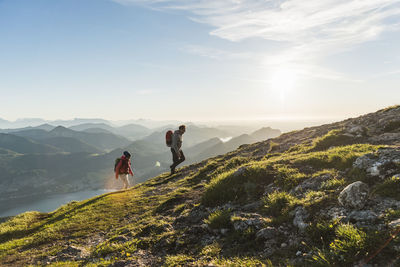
(47, 203)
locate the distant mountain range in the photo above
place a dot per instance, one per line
(47, 159)
(131, 131)
(34, 122)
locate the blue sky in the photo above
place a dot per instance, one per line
(197, 59)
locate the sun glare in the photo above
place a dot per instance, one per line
(283, 80)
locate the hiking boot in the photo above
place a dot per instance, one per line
(172, 170)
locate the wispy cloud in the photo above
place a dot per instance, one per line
(309, 30)
(322, 21)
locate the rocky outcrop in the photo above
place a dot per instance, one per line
(354, 195)
(385, 162)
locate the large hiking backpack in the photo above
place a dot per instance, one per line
(168, 138)
(117, 160)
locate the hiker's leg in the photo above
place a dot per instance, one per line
(175, 159)
(181, 159)
(125, 180)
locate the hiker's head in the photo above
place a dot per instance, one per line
(182, 128)
(127, 154)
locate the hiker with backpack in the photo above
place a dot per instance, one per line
(122, 168)
(175, 142)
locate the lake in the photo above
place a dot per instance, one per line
(46, 204)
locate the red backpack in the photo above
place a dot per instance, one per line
(168, 138)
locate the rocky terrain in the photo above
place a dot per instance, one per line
(322, 196)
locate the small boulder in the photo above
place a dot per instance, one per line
(362, 216)
(246, 220)
(356, 130)
(312, 184)
(266, 233)
(300, 215)
(354, 195)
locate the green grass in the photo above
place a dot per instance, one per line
(333, 183)
(287, 177)
(332, 139)
(339, 158)
(279, 205)
(219, 219)
(245, 261)
(155, 215)
(230, 186)
(389, 188)
(347, 246)
(212, 250)
(178, 260)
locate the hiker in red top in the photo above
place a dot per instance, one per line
(123, 169)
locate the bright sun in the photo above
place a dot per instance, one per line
(283, 80)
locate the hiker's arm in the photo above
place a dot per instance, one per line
(117, 169)
(130, 169)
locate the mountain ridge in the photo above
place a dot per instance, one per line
(283, 201)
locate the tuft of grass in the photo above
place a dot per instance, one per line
(219, 219)
(246, 261)
(349, 245)
(287, 177)
(333, 183)
(279, 205)
(389, 188)
(178, 260)
(212, 250)
(233, 186)
(349, 241)
(321, 232)
(331, 139)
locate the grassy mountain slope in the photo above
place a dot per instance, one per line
(272, 203)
